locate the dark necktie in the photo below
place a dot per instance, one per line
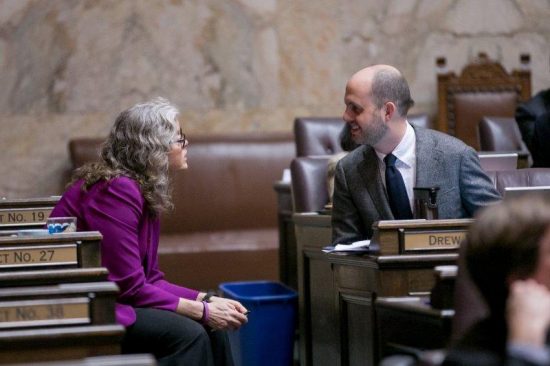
(397, 193)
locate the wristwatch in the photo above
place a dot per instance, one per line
(208, 295)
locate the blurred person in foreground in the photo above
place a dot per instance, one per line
(533, 119)
(508, 258)
(122, 197)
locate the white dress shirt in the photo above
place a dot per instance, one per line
(405, 152)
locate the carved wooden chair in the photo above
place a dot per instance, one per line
(484, 88)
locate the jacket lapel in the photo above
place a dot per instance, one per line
(370, 173)
(429, 160)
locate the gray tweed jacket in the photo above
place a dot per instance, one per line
(441, 161)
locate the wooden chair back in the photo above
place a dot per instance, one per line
(484, 88)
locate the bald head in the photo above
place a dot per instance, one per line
(384, 83)
(368, 73)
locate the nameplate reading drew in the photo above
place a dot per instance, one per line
(44, 255)
(432, 240)
(24, 216)
(406, 236)
(32, 313)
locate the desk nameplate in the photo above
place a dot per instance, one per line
(417, 236)
(42, 255)
(428, 240)
(24, 216)
(33, 313)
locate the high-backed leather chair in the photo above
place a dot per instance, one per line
(309, 183)
(420, 120)
(530, 177)
(317, 135)
(84, 150)
(468, 303)
(321, 135)
(484, 88)
(502, 134)
(495, 161)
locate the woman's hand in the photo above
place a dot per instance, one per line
(232, 303)
(528, 312)
(225, 314)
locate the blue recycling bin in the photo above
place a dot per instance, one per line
(268, 337)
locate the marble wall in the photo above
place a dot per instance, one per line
(68, 66)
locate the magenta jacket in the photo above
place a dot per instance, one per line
(117, 209)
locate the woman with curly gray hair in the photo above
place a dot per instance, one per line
(122, 196)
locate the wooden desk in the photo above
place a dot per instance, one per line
(337, 294)
(143, 359)
(30, 213)
(59, 343)
(70, 250)
(35, 277)
(25, 307)
(55, 300)
(313, 231)
(55, 322)
(287, 240)
(411, 325)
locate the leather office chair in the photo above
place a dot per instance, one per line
(321, 135)
(309, 183)
(484, 88)
(317, 135)
(502, 134)
(420, 120)
(84, 150)
(530, 177)
(491, 161)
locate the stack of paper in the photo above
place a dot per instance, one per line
(358, 246)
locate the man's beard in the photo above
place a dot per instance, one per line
(374, 133)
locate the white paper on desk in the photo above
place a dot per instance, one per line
(358, 246)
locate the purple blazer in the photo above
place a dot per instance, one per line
(117, 209)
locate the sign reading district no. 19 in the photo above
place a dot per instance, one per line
(24, 215)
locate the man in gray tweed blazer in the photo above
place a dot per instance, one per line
(377, 101)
